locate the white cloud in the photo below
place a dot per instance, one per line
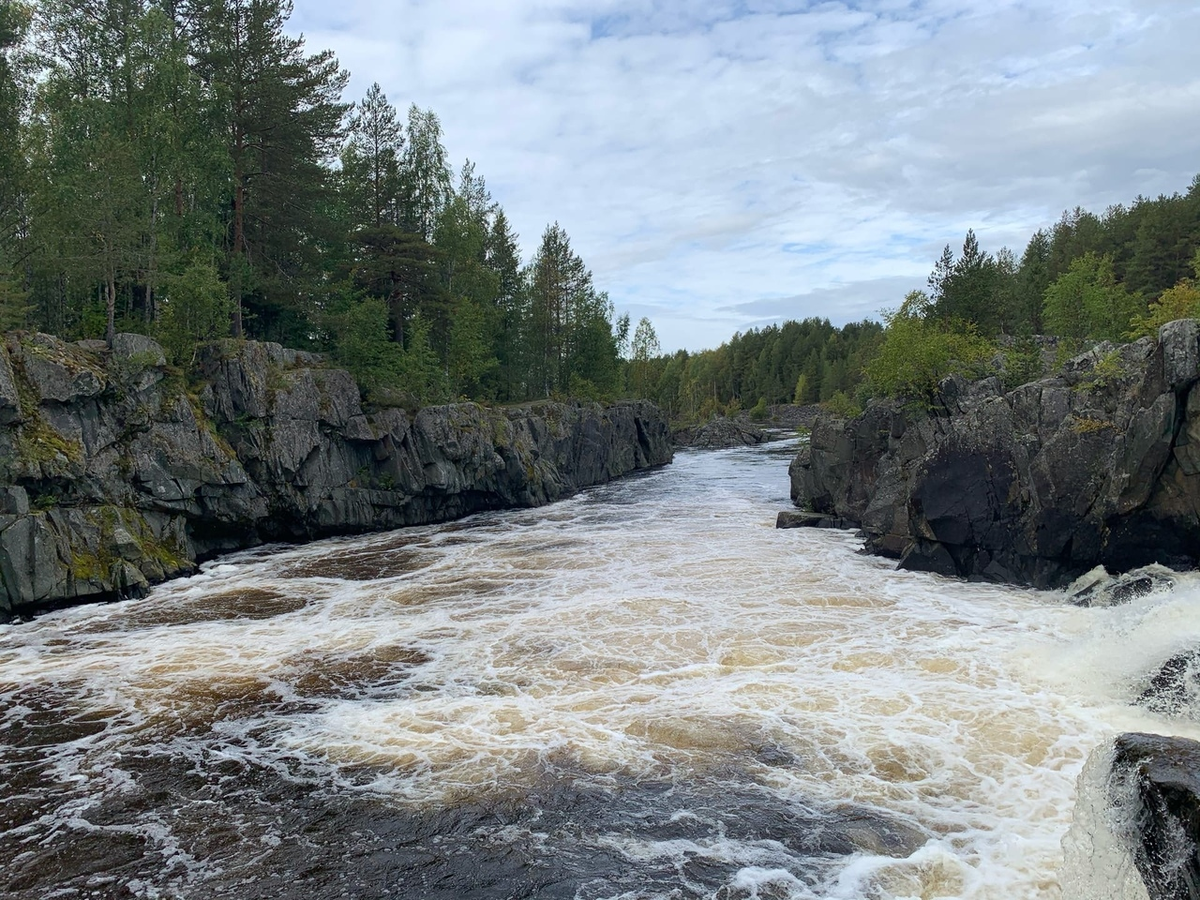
(724, 163)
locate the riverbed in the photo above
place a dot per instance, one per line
(644, 692)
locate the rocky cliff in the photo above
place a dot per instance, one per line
(1099, 464)
(116, 472)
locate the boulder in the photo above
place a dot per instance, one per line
(1155, 784)
(1174, 688)
(795, 519)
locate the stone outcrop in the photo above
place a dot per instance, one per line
(116, 473)
(1155, 786)
(722, 433)
(791, 518)
(1099, 464)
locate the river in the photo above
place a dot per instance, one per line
(644, 692)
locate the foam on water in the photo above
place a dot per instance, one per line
(656, 631)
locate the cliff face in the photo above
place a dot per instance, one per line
(1098, 465)
(115, 474)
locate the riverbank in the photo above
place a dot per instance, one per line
(116, 473)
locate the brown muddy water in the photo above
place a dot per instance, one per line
(644, 692)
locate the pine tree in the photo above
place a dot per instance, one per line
(504, 259)
(371, 161)
(282, 114)
(14, 24)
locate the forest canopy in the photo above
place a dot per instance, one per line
(190, 170)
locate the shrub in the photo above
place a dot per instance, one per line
(919, 351)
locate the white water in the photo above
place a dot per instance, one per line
(658, 630)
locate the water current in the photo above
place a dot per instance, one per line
(643, 692)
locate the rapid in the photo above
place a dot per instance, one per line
(644, 692)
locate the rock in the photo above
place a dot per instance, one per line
(1155, 784)
(117, 479)
(1180, 343)
(1098, 588)
(139, 348)
(1096, 466)
(57, 371)
(720, 434)
(794, 519)
(1174, 689)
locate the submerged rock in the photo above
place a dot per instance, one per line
(115, 474)
(1098, 465)
(797, 519)
(1098, 588)
(1155, 784)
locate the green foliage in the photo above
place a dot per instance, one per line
(387, 373)
(920, 350)
(843, 406)
(1179, 302)
(143, 136)
(1022, 364)
(469, 353)
(194, 308)
(1105, 372)
(643, 363)
(1087, 303)
(759, 412)
(1087, 425)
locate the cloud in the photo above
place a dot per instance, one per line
(720, 164)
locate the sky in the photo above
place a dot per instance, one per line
(721, 165)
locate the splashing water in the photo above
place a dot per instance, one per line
(644, 692)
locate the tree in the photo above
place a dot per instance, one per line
(1087, 303)
(425, 182)
(963, 289)
(371, 161)
(1182, 301)
(562, 301)
(942, 272)
(195, 308)
(503, 258)
(282, 115)
(14, 24)
(919, 351)
(398, 268)
(1033, 277)
(644, 350)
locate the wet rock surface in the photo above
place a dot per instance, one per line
(226, 829)
(1174, 689)
(1160, 777)
(798, 519)
(115, 473)
(1094, 466)
(1098, 588)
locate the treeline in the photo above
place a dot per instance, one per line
(797, 362)
(1116, 276)
(1087, 278)
(186, 169)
